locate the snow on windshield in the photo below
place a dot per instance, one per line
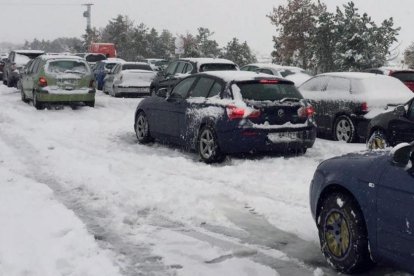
(21, 59)
(67, 66)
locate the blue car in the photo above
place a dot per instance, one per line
(102, 68)
(363, 205)
(228, 112)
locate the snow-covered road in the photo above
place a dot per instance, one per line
(156, 210)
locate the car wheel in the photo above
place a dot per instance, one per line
(142, 129)
(9, 83)
(377, 140)
(343, 235)
(344, 129)
(36, 104)
(207, 146)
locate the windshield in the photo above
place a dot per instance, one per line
(268, 91)
(217, 67)
(110, 65)
(136, 66)
(67, 66)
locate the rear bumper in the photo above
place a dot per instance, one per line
(259, 141)
(132, 91)
(65, 97)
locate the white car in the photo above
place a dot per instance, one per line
(129, 78)
(295, 74)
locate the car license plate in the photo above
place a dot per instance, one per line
(283, 136)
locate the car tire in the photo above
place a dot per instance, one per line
(9, 83)
(23, 96)
(207, 146)
(343, 234)
(344, 129)
(377, 140)
(36, 104)
(142, 128)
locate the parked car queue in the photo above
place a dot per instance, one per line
(221, 113)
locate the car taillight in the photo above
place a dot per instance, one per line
(92, 84)
(42, 82)
(234, 112)
(306, 111)
(364, 107)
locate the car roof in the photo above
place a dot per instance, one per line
(201, 61)
(354, 75)
(229, 76)
(113, 60)
(28, 51)
(134, 63)
(53, 56)
(275, 66)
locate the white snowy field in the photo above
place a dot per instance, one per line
(80, 196)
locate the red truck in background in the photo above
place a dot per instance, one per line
(108, 49)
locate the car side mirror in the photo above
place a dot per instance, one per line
(401, 154)
(400, 111)
(163, 93)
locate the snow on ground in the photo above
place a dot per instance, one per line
(156, 208)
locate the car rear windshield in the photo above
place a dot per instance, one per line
(136, 66)
(257, 91)
(67, 66)
(404, 76)
(217, 67)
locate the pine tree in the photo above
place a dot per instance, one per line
(207, 46)
(409, 56)
(239, 53)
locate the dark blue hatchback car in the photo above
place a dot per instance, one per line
(363, 205)
(224, 112)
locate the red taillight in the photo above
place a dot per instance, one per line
(364, 107)
(306, 111)
(234, 112)
(268, 81)
(410, 85)
(92, 84)
(42, 82)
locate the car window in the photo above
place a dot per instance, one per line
(202, 87)
(404, 76)
(180, 68)
(215, 90)
(286, 73)
(67, 66)
(267, 91)
(36, 66)
(137, 66)
(339, 85)
(31, 66)
(171, 68)
(316, 84)
(182, 88)
(217, 67)
(265, 71)
(411, 111)
(188, 68)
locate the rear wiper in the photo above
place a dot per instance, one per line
(289, 99)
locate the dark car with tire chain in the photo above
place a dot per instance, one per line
(345, 102)
(392, 127)
(363, 204)
(223, 113)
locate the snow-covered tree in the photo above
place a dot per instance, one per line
(409, 56)
(207, 46)
(294, 23)
(240, 53)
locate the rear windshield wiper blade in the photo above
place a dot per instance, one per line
(289, 100)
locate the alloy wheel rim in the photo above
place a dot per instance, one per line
(207, 144)
(337, 234)
(142, 127)
(343, 130)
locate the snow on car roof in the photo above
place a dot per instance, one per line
(113, 60)
(134, 63)
(201, 61)
(275, 66)
(354, 75)
(47, 57)
(229, 76)
(29, 51)
(134, 71)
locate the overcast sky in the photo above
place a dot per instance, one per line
(244, 19)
